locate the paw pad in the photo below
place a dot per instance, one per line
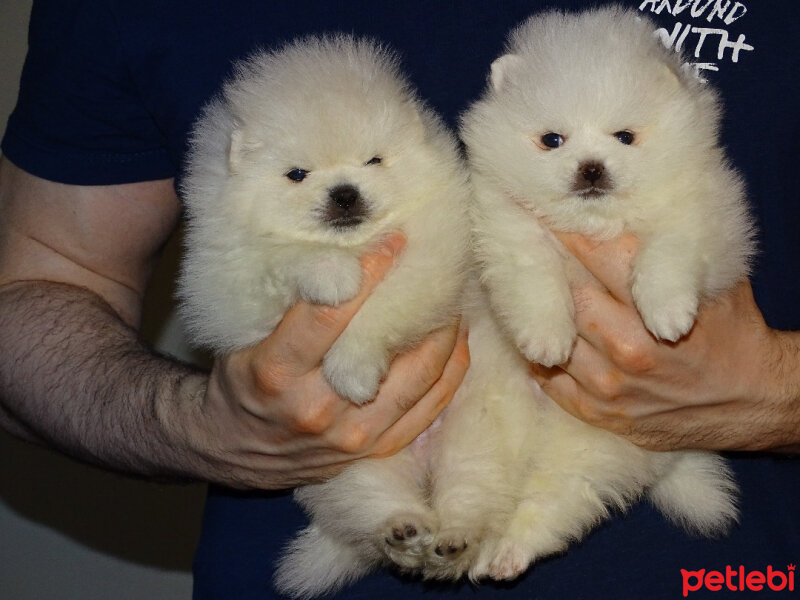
(450, 548)
(402, 534)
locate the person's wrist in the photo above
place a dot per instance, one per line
(774, 391)
(786, 377)
(176, 415)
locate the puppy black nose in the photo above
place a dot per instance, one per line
(346, 197)
(591, 172)
(346, 207)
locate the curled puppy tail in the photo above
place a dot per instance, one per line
(314, 564)
(698, 493)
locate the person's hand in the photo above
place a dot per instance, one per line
(730, 383)
(268, 418)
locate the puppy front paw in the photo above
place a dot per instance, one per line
(354, 370)
(547, 341)
(330, 280)
(668, 312)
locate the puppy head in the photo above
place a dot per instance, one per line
(585, 115)
(318, 139)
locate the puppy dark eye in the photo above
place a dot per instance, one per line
(552, 140)
(297, 175)
(375, 160)
(626, 137)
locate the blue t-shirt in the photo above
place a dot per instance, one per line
(110, 90)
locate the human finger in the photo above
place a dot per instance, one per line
(419, 385)
(426, 409)
(558, 385)
(414, 392)
(613, 328)
(307, 331)
(608, 261)
(570, 394)
(614, 391)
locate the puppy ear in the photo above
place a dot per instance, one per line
(674, 74)
(677, 72)
(503, 69)
(240, 147)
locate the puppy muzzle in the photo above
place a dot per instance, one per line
(345, 207)
(592, 180)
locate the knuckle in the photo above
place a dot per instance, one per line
(606, 405)
(609, 384)
(631, 355)
(428, 371)
(314, 417)
(597, 413)
(430, 366)
(271, 377)
(327, 317)
(443, 399)
(355, 439)
(385, 449)
(588, 411)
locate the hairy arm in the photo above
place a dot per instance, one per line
(74, 265)
(76, 377)
(73, 268)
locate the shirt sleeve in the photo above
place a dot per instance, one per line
(79, 117)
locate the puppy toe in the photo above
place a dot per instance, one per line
(330, 283)
(548, 345)
(405, 539)
(503, 560)
(354, 367)
(451, 553)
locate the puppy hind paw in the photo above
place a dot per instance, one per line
(450, 544)
(508, 566)
(405, 540)
(503, 561)
(450, 554)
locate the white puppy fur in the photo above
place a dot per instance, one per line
(306, 160)
(310, 155)
(588, 125)
(587, 83)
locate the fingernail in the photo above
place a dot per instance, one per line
(392, 245)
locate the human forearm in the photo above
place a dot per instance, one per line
(75, 377)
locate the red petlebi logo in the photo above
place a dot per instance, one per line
(739, 580)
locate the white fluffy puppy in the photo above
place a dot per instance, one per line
(589, 125)
(308, 157)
